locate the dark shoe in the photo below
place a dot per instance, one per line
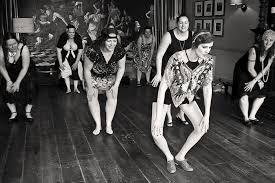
(256, 121)
(184, 165)
(148, 84)
(171, 167)
(247, 123)
(138, 85)
(182, 121)
(29, 119)
(13, 117)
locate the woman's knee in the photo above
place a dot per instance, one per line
(244, 99)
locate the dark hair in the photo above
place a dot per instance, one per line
(7, 36)
(147, 27)
(69, 26)
(105, 34)
(181, 15)
(201, 36)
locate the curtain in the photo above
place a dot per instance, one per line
(9, 10)
(165, 12)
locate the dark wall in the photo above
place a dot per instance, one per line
(136, 8)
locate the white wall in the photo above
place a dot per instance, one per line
(237, 36)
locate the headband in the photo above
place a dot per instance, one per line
(199, 34)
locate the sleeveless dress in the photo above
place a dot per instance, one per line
(175, 46)
(26, 90)
(143, 63)
(242, 76)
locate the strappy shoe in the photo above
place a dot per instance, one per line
(182, 121)
(184, 165)
(256, 121)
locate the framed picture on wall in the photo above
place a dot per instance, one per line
(198, 8)
(208, 8)
(207, 24)
(219, 7)
(197, 25)
(218, 27)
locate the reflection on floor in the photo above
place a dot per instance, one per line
(59, 145)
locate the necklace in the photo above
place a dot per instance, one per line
(267, 74)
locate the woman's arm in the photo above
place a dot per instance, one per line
(263, 72)
(164, 43)
(207, 95)
(25, 66)
(3, 69)
(78, 57)
(120, 72)
(251, 62)
(88, 65)
(160, 100)
(152, 47)
(59, 58)
(139, 46)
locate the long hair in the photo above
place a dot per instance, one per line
(270, 51)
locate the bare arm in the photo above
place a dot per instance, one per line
(88, 65)
(59, 58)
(267, 67)
(251, 62)
(139, 46)
(120, 72)
(152, 47)
(160, 100)
(3, 69)
(207, 95)
(25, 64)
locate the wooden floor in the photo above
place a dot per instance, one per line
(59, 146)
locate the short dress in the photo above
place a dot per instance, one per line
(26, 90)
(143, 63)
(104, 74)
(242, 76)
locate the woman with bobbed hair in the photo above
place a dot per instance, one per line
(186, 72)
(17, 77)
(104, 66)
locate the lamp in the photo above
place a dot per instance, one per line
(22, 25)
(240, 3)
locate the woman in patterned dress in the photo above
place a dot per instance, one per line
(104, 66)
(186, 72)
(142, 61)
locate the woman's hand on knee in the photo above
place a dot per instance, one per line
(204, 124)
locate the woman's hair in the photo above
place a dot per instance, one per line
(181, 15)
(108, 33)
(271, 51)
(201, 37)
(147, 27)
(70, 26)
(8, 36)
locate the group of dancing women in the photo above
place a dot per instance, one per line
(183, 66)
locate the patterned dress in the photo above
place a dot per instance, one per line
(184, 82)
(104, 74)
(143, 63)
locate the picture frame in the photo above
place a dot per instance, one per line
(218, 27)
(207, 24)
(208, 8)
(198, 9)
(198, 24)
(219, 8)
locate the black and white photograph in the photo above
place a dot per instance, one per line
(137, 91)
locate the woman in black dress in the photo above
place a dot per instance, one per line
(69, 50)
(17, 81)
(251, 77)
(104, 66)
(177, 39)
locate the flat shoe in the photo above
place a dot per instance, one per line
(171, 167)
(184, 165)
(170, 123)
